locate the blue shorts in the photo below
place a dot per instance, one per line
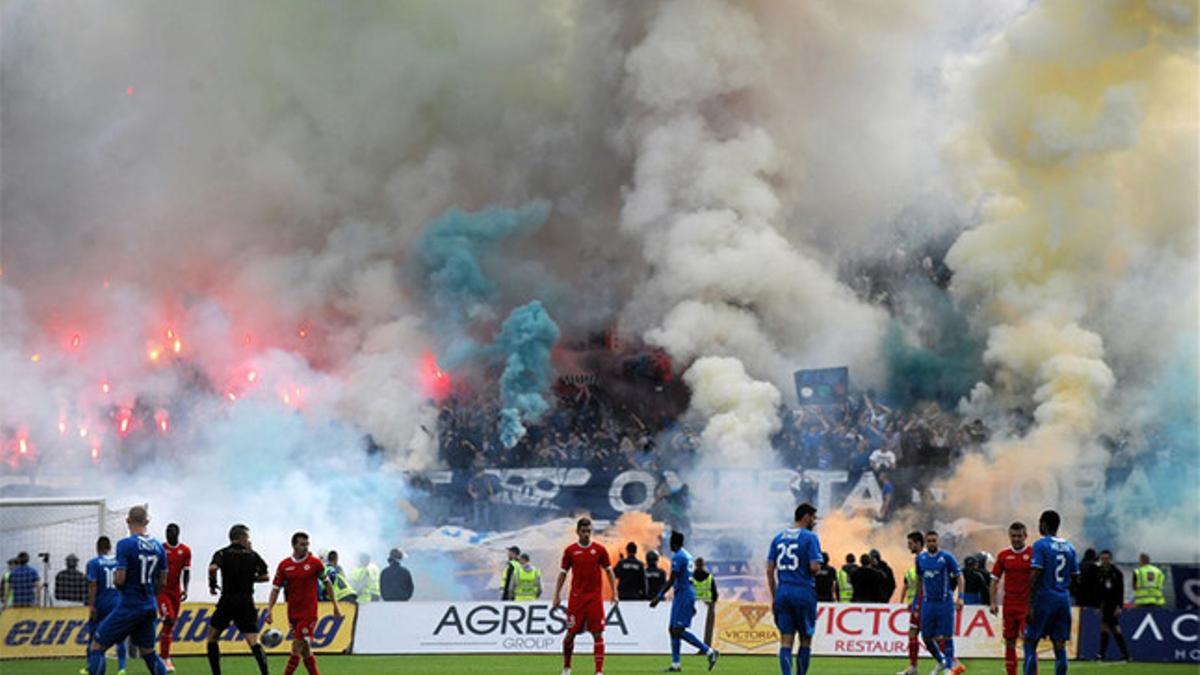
(103, 609)
(795, 612)
(1051, 618)
(937, 619)
(137, 624)
(683, 609)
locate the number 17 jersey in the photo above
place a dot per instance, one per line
(143, 559)
(792, 551)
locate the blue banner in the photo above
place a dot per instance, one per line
(1154, 635)
(1186, 581)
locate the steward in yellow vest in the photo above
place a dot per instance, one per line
(1147, 584)
(845, 588)
(528, 580)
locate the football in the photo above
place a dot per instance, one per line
(271, 638)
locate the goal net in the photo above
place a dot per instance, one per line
(57, 528)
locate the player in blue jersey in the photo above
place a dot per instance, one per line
(683, 606)
(102, 593)
(792, 563)
(141, 567)
(1049, 615)
(939, 577)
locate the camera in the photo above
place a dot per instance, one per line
(45, 557)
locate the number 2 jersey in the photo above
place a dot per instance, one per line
(143, 559)
(1055, 557)
(792, 551)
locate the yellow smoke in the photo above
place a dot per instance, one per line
(1084, 159)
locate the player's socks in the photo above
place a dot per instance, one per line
(696, 642)
(95, 662)
(155, 664)
(261, 657)
(936, 653)
(122, 655)
(214, 658)
(1010, 659)
(802, 659)
(165, 640)
(676, 648)
(1060, 661)
(568, 650)
(1031, 657)
(914, 648)
(785, 661)
(598, 653)
(948, 651)
(292, 664)
(310, 664)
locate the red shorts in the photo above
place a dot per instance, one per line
(168, 605)
(1014, 622)
(585, 616)
(302, 627)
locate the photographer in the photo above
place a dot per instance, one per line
(25, 583)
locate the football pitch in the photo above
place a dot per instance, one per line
(527, 665)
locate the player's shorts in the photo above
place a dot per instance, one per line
(1051, 618)
(585, 616)
(683, 610)
(102, 611)
(168, 605)
(303, 627)
(1014, 621)
(937, 619)
(795, 612)
(139, 625)
(237, 611)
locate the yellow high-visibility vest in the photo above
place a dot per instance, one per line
(365, 581)
(910, 578)
(704, 589)
(528, 582)
(845, 589)
(341, 586)
(1149, 591)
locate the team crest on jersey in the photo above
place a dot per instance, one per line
(592, 551)
(306, 567)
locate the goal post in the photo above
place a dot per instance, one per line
(50, 529)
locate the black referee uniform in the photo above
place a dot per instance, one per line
(240, 568)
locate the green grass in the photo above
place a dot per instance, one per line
(525, 665)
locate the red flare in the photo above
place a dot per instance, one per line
(35, 357)
(162, 421)
(303, 332)
(435, 382)
(251, 376)
(104, 387)
(76, 340)
(178, 346)
(23, 445)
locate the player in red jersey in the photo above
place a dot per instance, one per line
(585, 607)
(174, 591)
(1013, 565)
(299, 576)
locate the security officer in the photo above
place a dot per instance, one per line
(365, 580)
(342, 590)
(656, 577)
(845, 587)
(705, 585)
(527, 580)
(1147, 584)
(511, 565)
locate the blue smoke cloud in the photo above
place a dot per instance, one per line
(453, 252)
(526, 338)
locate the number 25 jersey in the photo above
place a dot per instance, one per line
(792, 551)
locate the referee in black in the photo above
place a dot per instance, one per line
(240, 568)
